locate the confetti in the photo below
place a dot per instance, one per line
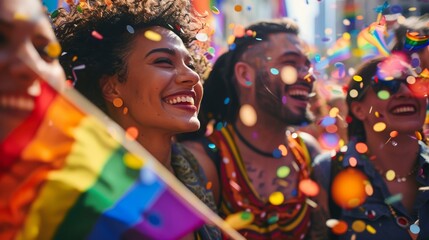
(130, 29)
(358, 226)
(390, 175)
(357, 78)
(283, 171)
(353, 161)
(118, 102)
(238, 8)
(393, 199)
(276, 198)
(371, 229)
(132, 161)
(346, 22)
(340, 227)
(274, 71)
(202, 37)
(239, 31)
(283, 150)
(348, 188)
(248, 115)
(327, 121)
(54, 14)
(353, 93)
(289, 75)
(131, 133)
(361, 147)
(234, 185)
(311, 203)
(153, 36)
(53, 49)
(418, 135)
(74, 69)
(309, 187)
(379, 127)
(368, 189)
(273, 219)
(415, 229)
(330, 223)
(20, 17)
(226, 101)
(96, 35)
(214, 10)
(383, 94)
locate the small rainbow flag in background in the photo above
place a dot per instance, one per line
(415, 42)
(371, 41)
(340, 50)
(71, 175)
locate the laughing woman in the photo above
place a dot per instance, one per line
(385, 158)
(135, 65)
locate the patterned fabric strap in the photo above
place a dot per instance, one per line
(284, 221)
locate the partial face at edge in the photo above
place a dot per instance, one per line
(25, 32)
(402, 111)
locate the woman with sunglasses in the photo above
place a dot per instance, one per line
(385, 157)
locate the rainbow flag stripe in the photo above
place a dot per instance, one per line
(371, 41)
(415, 42)
(68, 177)
(340, 50)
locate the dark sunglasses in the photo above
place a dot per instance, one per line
(419, 88)
(392, 86)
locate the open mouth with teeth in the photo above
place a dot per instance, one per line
(403, 110)
(180, 100)
(299, 94)
(16, 103)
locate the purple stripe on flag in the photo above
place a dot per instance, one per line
(130, 209)
(168, 218)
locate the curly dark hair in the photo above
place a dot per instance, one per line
(97, 36)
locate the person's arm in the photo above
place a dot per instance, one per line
(320, 214)
(207, 164)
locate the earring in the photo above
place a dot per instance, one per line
(118, 102)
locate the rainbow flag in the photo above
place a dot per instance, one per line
(66, 174)
(371, 40)
(415, 42)
(340, 50)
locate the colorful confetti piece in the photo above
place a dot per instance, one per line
(248, 115)
(153, 36)
(96, 35)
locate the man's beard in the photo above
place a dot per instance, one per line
(271, 101)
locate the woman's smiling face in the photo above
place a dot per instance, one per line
(161, 91)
